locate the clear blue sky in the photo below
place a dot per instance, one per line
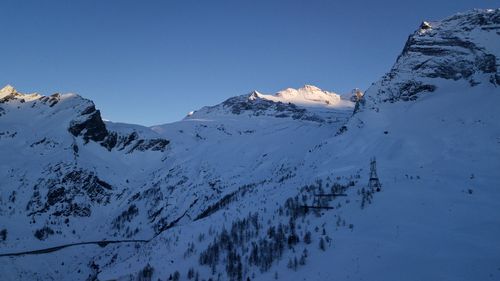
(150, 62)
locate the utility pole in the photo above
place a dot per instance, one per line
(374, 183)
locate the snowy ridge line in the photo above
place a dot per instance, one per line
(432, 123)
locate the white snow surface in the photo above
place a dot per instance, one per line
(306, 96)
(431, 123)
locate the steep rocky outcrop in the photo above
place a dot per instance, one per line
(259, 188)
(68, 192)
(84, 119)
(90, 126)
(460, 48)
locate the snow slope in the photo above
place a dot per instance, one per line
(265, 187)
(62, 166)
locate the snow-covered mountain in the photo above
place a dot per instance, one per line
(307, 96)
(308, 103)
(62, 166)
(398, 183)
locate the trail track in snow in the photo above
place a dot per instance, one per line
(102, 244)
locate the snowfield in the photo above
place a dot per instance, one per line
(269, 187)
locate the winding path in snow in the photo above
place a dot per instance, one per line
(102, 244)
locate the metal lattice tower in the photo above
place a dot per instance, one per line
(374, 183)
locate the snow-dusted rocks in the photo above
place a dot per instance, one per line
(61, 164)
(78, 114)
(307, 96)
(8, 92)
(308, 103)
(462, 47)
(89, 125)
(266, 187)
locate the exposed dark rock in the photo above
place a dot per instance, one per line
(253, 105)
(88, 110)
(56, 195)
(429, 51)
(463, 58)
(455, 71)
(43, 233)
(447, 50)
(110, 141)
(74, 209)
(410, 89)
(51, 100)
(75, 148)
(150, 144)
(487, 63)
(125, 216)
(425, 25)
(103, 184)
(342, 130)
(129, 139)
(132, 142)
(92, 128)
(94, 187)
(38, 142)
(3, 235)
(63, 189)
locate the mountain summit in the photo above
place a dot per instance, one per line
(7, 90)
(308, 96)
(309, 103)
(463, 47)
(299, 185)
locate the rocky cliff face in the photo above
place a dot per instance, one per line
(84, 119)
(56, 156)
(262, 186)
(461, 47)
